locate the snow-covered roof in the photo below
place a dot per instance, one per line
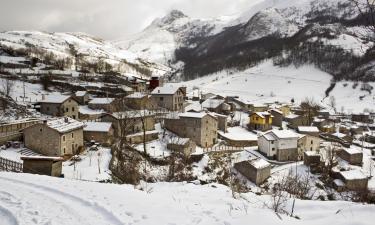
(263, 114)
(311, 153)
(166, 90)
(80, 93)
(132, 114)
(97, 126)
(280, 134)
(56, 99)
(353, 175)
(308, 129)
(352, 151)
(66, 124)
(259, 163)
(193, 115)
(101, 101)
(339, 135)
(292, 116)
(136, 95)
(84, 109)
(212, 103)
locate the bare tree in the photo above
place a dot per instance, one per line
(332, 103)
(7, 87)
(310, 109)
(366, 9)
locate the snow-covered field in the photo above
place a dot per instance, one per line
(31, 199)
(267, 83)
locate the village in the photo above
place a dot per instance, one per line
(82, 134)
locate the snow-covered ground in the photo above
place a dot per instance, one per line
(31, 199)
(267, 83)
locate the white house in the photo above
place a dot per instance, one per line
(279, 144)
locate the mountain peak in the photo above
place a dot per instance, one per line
(172, 16)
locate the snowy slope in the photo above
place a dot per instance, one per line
(30, 199)
(267, 83)
(90, 48)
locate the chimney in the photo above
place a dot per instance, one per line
(66, 119)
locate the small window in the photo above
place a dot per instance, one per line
(72, 109)
(64, 138)
(272, 142)
(72, 135)
(312, 142)
(273, 149)
(64, 151)
(67, 109)
(161, 98)
(47, 108)
(41, 130)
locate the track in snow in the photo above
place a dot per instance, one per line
(38, 204)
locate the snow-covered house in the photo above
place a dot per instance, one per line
(57, 137)
(182, 145)
(82, 97)
(351, 155)
(101, 132)
(278, 117)
(279, 144)
(260, 121)
(169, 97)
(256, 170)
(130, 122)
(217, 106)
(354, 180)
(59, 105)
(199, 127)
(107, 104)
(138, 101)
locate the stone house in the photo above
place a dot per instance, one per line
(279, 144)
(362, 118)
(16, 126)
(260, 121)
(182, 145)
(130, 122)
(352, 156)
(199, 127)
(43, 165)
(257, 108)
(82, 97)
(106, 104)
(138, 101)
(217, 106)
(307, 143)
(311, 158)
(295, 121)
(222, 121)
(139, 137)
(101, 132)
(59, 106)
(168, 97)
(354, 180)
(57, 137)
(256, 170)
(277, 117)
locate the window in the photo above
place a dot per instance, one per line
(41, 130)
(64, 138)
(72, 109)
(273, 149)
(161, 98)
(272, 142)
(72, 135)
(312, 141)
(64, 151)
(67, 109)
(47, 108)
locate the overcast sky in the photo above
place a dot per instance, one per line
(109, 19)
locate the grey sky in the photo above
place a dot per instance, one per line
(109, 19)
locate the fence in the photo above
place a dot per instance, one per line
(10, 166)
(223, 148)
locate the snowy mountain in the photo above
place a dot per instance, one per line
(159, 40)
(332, 35)
(69, 46)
